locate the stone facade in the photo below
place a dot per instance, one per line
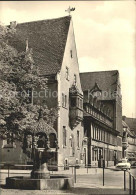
(70, 151)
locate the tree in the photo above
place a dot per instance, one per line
(19, 76)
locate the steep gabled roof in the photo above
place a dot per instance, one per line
(47, 38)
(106, 80)
(131, 122)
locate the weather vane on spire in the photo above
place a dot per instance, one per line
(70, 9)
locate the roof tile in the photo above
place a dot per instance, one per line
(106, 80)
(47, 38)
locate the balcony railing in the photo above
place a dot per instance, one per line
(99, 116)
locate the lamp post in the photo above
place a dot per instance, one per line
(124, 141)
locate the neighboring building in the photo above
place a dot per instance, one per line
(10, 151)
(102, 116)
(54, 51)
(129, 137)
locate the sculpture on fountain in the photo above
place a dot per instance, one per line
(40, 144)
(40, 141)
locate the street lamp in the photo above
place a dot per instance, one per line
(124, 140)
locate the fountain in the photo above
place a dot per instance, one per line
(40, 142)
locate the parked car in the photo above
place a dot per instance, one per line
(132, 160)
(133, 165)
(123, 164)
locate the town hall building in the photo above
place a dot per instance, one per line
(54, 52)
(89, 105)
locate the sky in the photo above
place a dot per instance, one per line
(105, 34)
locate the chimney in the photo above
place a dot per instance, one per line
(13, 24)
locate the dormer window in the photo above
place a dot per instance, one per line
(75, 79)
(71, 54)
(97, 94)
(67, 73)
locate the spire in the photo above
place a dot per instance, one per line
(70, 9)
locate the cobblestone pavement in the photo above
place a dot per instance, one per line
(87, 182)
(75, 190)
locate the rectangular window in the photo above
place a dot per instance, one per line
(67, 73)
(81, 104)
(64, 136)
(98, 134)
(71, 54)
(73, 102)
(93, 131)
(78, 102)
(105, 136)
(75, 79)
(92, 155)
(78, 139)
(101, 135)
(95, 155)
(63, 99)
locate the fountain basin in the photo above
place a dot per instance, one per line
(55, 182)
